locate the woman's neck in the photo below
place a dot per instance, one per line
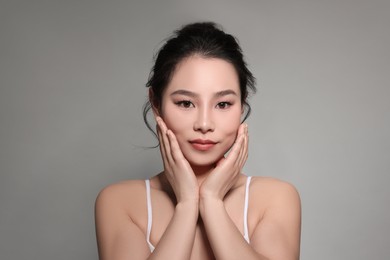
(201, 172)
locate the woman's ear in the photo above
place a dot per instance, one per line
(153, 103)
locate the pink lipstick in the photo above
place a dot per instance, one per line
(202, 145)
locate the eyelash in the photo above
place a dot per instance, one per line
(225, 103)
(187, 104)
(184, 103)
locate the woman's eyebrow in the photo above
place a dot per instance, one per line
(192, 94)
(225, 93)
(184, 92)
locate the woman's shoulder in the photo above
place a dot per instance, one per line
(271, 183)
(122, 188)
(273, 190)
(275, 202)
(122, 195)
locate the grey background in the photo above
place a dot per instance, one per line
(72, 77)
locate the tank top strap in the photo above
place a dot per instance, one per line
(246, 202)
(150, 219)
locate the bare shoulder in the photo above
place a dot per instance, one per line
(119, 212)
(117, 192)
(272, 191)
(278, 216)
(272, 186)
(123, 197)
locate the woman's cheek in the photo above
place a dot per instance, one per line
(175, 126)
(231, 137)
(170, 123)
(177, 129)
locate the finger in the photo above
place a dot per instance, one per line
(220, 161)
(161, 124)
(165, 141)
(241, 153)
(159, 136)
(244, 153)
(175, 148)
(235, 151)
(162, 145)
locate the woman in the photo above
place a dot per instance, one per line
(200, 206)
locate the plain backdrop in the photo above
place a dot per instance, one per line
(72, 76)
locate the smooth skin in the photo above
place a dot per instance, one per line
(198, 199)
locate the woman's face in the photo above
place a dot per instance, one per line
(202, 106)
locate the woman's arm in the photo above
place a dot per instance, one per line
(276, 237)
(178, 239)
(277, 234)
(119, 237)
(224, 237)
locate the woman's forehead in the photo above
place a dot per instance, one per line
(202, 75)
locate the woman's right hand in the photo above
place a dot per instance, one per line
(176, 168)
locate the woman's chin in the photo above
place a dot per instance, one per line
(204, 162)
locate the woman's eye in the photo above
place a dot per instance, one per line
(184, 104)
(223, 105)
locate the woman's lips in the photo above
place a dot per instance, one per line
(202, 145)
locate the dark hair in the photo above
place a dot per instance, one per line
(207, 40)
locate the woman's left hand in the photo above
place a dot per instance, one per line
(228, 169)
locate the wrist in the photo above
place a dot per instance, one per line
(188, 206)
(209, 203)
(192, 199)
(206, 194)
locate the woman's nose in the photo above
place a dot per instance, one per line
(204, 122)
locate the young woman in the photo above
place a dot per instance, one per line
(201, 206)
